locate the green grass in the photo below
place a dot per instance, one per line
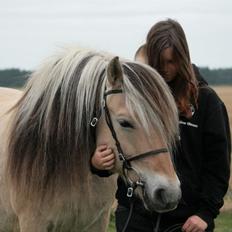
(111, 227)
(223, 222)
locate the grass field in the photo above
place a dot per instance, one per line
(224, 222)
(225, 93)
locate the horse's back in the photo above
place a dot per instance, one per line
(8, 97)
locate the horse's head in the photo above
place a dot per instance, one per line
(139, 122)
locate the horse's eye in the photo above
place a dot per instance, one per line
(125, 124)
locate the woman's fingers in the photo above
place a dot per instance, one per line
(102, 147)
(108, 158)
(104, 158)
(106, 152)
(109, 165)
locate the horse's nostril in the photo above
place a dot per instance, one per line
(160, 195)
(162, 199)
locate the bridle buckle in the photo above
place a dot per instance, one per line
(121, 157)
(140, 183)
(94, 121)
(130, 192)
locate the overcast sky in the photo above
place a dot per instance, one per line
(30, 30)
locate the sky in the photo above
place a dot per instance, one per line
(31, 30)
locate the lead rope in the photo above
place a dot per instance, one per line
(156, 229)
(129, 216)
(174, 228)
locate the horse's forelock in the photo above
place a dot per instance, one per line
(150, 98)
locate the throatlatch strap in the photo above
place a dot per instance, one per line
(149, 153)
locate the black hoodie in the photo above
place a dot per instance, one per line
(203, 157)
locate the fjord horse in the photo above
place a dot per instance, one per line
(73, 102)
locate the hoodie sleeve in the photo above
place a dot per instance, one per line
(100, 173)
(216, 163)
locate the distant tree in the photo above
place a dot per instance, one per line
(217, 76)
(13, 78)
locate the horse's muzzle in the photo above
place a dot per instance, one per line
(163, 199)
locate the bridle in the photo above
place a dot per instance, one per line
(126, 160)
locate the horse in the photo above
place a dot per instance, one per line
(75, 100)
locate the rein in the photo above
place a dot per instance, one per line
(126, 165)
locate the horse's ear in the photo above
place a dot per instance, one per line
(114, 72)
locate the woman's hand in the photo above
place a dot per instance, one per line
(103, 158)
(194, 224)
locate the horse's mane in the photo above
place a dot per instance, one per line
(51, 140)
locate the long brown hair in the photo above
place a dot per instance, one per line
(170, 34)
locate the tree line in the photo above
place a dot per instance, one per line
(16, 78)
(13, 78)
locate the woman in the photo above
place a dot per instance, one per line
(203, 156)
